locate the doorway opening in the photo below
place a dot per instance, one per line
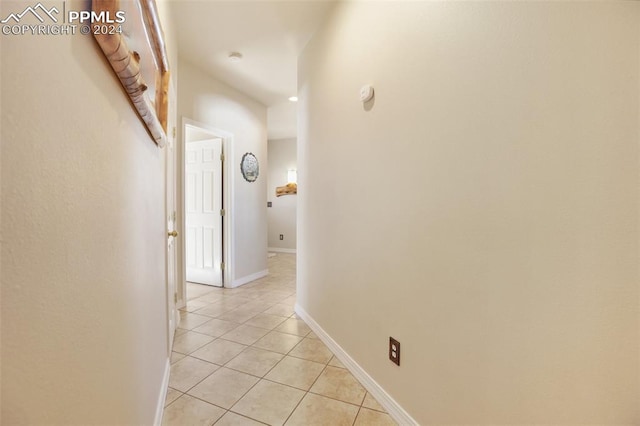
(207, 204)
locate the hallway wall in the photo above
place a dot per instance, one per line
(208, 101)
(84, 322)
(483, 210)
(282, 215)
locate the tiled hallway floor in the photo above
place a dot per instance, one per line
(242, 357)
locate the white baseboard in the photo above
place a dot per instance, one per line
(249, 278)
(163, 394)
(393, 408)
(281, 250)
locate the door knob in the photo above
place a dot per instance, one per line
(172, 233)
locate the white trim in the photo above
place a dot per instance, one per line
(393, 408)
(182, 302)
(281, 250)
(163, 394)
(249, 278)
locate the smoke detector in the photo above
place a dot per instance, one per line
(235, 56)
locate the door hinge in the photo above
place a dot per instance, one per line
(222, 157)
(222, 212)
(175, 297)
(174, 132)
(222, 266)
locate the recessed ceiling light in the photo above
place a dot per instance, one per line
(235, 56)
(293, 99)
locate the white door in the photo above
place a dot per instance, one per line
(203, 218)
(172, 234)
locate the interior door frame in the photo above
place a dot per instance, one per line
(228, 236)
(171, 160)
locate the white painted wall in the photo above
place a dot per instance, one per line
(282, 120)
(282, 214)
(483, 211)
(84, 338)
(208, 101)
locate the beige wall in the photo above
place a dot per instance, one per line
(282, 215)
(208, 101)
(84, 336)
(484, 211)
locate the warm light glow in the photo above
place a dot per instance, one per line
(293, 99)
(292, 176)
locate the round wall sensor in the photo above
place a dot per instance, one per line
(235, 56)
(366, 93)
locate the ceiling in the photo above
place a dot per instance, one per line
(269, 34)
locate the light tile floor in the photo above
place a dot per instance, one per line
(242, 357)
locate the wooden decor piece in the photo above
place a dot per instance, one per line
(288, 189)
(137, 53)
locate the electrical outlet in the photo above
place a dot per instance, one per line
(281, 237)
(394, 350)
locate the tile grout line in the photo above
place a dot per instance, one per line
(242, 415)
(306, 393)
(248, 299)
(248, 390)
(271, 369)
(326, 365)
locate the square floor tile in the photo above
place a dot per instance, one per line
(265, 321)
(194, 305)
(335, 362)
(189, 342)
(278, 342)
(296, 372)
(224, 387)
(189, 321)
(233, 419)
(219, 351)
(368, 417)
(214, 310)
(370, 402)
(294, 326)
(275, 296)
(269, 402)
(291, 300)
(216, 327)
(318, 410)
(245, 334)
(191, 411)
(281, 310)
(257, 306)
(313, 350)
(235, 302)
(187, 372)
(195, 290)
(312, 335)
(255, 361)
(338, 383)
(237, 315)
(213, 297)
(176, 356)
(172, 395)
